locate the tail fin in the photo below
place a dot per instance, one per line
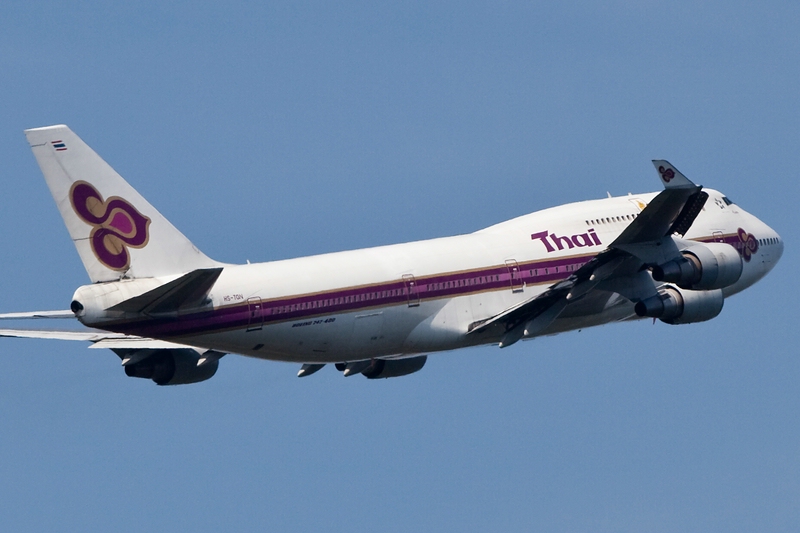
(116, 231)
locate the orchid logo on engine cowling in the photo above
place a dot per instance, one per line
(747, 245)
(116, 225)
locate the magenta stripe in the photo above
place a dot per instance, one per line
(732, 239)
(355, 298)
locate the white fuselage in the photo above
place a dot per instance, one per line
(419, 297)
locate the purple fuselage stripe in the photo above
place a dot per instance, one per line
(351, 299)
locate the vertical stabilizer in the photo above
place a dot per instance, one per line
(116, 231)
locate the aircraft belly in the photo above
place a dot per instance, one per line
(327, 339)
(433, 325)
(445, 328)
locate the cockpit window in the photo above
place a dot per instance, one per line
(726, 200)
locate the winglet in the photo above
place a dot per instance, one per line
(671, 176)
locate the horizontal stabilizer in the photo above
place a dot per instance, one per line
(38, 314)
(99, 339)
(186, 292)
(91, 336)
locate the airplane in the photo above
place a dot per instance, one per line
(170, 312)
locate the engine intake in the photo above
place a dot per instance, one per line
(713, 265)
(680, 306)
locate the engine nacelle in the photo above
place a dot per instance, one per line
(712, 265)
(680, 306)
(173, 367)
(381, 368)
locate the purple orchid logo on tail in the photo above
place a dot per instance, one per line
(747, 245)
(116, 224)
(666, 173)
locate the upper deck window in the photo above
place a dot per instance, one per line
(726, 200)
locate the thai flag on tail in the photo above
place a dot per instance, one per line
(59, 145)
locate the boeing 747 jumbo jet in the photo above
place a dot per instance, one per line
(170, 312)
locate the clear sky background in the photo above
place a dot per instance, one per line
(267, 131)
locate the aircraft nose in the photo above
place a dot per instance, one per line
(772, 248)
(778, 247)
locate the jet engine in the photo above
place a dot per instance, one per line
(713, 265)
(171, 367)
(381, 368)
(680, 306)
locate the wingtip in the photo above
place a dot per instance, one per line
(670, 176)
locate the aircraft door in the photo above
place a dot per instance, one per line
(411, 290)
(515, 275)
(256, 315)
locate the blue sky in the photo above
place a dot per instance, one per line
(266, 131)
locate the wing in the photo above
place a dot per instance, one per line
(647, 240)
